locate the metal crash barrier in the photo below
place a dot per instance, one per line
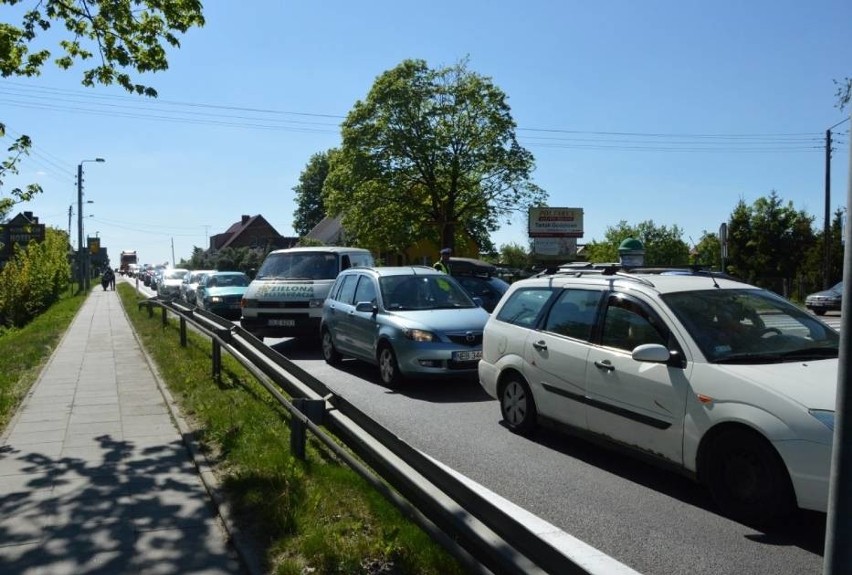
(484, 537)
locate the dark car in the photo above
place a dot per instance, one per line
(479, 279)
(828, 300)
(221, 292)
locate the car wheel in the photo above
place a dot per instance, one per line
(518, 406)
(329, 352)
(748, 479)
(819, 311)
(388, 367)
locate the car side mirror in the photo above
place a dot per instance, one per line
(478, 301)
(651, 352)
(366, 306)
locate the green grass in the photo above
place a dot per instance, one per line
(25, 350)
(313, 516)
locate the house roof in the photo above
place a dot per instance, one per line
(328, 230)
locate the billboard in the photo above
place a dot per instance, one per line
(556, 222)
(558, 248)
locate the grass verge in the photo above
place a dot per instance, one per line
(25, 351)
(314, 516)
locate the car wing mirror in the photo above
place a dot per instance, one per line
(478, 301)
(651, 352)
(366, 306)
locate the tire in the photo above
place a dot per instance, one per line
(329, 352)
(819, 311)
(517, 406)
(388, 366)
(748, 479)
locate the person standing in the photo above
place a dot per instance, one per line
(443, 264)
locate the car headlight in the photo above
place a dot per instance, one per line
(823, 416)
(316, 303)
(419, 335)
(215, 299)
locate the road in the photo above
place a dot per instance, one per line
(654, 521)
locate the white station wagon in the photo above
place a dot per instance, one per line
(727, 382)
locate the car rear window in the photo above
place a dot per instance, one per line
(524, 306)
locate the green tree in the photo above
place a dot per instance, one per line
(844, 92)
(515, 255)
(310, 208)
(119, 35)
(430, 154)
(708, 251)
(663, 245)
(768, 242)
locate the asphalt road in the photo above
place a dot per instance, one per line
(654, 521)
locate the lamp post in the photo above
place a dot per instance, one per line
(81, 255)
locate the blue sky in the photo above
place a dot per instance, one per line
(656, 110)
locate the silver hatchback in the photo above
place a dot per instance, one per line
(409, 321)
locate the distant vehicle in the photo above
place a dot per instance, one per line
(221, 292)
(480, 280)
(731, 384)
(409, 321)
(128, 258)
(285, 298)
(168, 283)
(189, 285)
(824, 301)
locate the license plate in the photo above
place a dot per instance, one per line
(467, 355)
(283, 322)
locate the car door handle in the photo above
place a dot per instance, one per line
(540, 345)
(605, 364)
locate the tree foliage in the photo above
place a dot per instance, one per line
(116, 35)
(663, 245)
(430, 154)
(844, 92)
(34, 278)
(243, 259)
(768, 242)
(310, 208)
(515, 255)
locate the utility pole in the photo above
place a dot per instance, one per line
(826, 230)
(827, 280)
(81, 254)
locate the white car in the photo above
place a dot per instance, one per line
(168, 286)
(727, 382)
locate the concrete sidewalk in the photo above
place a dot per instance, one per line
(94, 474)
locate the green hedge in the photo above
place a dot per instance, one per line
(34, 279)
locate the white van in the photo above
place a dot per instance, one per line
(285, 298)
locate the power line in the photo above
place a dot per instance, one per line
(57, 99)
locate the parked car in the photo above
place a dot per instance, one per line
(409, 321)
(729, 383)
(189, 284)
(827, 300)
(168, 283)
(221, 292)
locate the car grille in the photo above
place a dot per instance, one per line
(471, 340)
(462, 364)
(283, 304)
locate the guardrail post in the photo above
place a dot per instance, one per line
(165, 316)
(314, 410)
(182, 331)
(217, 359)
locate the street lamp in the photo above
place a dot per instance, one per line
(81, 255)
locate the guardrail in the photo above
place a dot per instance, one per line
(484, 537)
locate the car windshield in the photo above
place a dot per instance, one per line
(751, 326)
(422, 292)
(302, 265)
(174, 274)
(228, 280)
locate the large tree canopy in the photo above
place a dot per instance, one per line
(663, 245)
(430, 154)
(117, 35)
(310, 208)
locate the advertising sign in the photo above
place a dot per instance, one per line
(560, 248)
(556, 222)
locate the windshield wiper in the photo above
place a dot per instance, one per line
(811, 353)
(749, 358)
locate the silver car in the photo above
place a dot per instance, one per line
(409, 321)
